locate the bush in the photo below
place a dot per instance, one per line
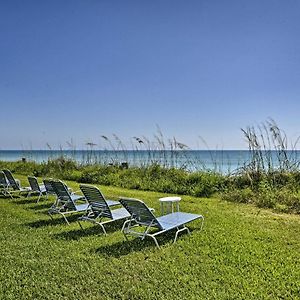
(265, 196)
(276, 190)
(241, 196)
(288, 200)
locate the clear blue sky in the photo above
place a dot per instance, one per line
(81, 69)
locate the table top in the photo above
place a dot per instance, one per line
(170, 199)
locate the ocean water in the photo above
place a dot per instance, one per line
(224, 161)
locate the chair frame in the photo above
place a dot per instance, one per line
(48, 187)
(142, 216)
(14, 185)
(99, 208)
(4, 185)
(65, 203)
(36, 188)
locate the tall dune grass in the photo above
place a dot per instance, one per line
(270, 178)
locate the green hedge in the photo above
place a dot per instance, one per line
(276, 190)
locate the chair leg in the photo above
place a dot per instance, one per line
(102, 228)
(180, 230)
(125, 235)
(65, 218)
(50, 215)
(202, 223)
(40, 195)
(126, 223)
(79, 224)
(155, 240)
(10, 195)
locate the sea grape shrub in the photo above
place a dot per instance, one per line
(205, 184)
(287, 200)
(245, 195)
(20, 167)
(265, 196)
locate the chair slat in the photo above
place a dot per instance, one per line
(140, 212)
(96, 200)
(34, 184)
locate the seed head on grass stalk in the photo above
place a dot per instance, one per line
(112, 148)
(269, 152)
(137, 148)
(161, 145)
(212, 157)
(121, 147)
(90, 152)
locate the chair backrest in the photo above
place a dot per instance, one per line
(140, 212)
(48, 186)
(11, 180)
(3, 180)
(63, 194)
(96, 200)
(34, 184)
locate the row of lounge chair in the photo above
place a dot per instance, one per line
(95, 208)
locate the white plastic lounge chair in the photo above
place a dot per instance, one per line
(36, 188)
(99, 211)
(142, 216)
(66, 202)
(14, 185)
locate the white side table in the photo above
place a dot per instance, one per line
(169, 201)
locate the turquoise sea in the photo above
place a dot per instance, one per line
(224, 161)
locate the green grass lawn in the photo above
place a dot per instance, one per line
(241, 253)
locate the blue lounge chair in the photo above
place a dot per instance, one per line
(99, 211)
(14, 185)
(48, 187)
(50, 190)
(141, 215)
(3, 184)
(66, 203)
(36, 188)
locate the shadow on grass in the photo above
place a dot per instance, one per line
(124, 247)
(133, 244)
(14, 196)
(41, 206)
(79, 233)
(19, 199)
(49, 222)
(5, 197)
(88, 231)
(25, 201)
